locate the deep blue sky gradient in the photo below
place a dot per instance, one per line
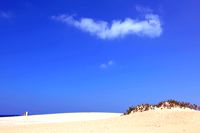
(50, 67)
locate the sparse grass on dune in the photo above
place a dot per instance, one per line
(164, 104)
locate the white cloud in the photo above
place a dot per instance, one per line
(4, 14)
(150, 26)
(107, 64)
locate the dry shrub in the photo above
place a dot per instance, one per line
(164, 104)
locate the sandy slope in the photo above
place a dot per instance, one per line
(158, 121)
(55, 118)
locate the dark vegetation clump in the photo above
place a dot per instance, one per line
(164, 104)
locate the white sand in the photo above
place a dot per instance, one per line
(156, 121)
(55, 118)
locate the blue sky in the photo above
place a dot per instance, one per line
(102, 55)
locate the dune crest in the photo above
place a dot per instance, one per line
(169, 104)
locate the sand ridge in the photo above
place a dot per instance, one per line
(56, 118)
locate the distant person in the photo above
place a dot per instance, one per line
(25, 114)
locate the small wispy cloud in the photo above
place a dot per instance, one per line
(4, 14)
(142, 9)
(107, 64)
(150, 26)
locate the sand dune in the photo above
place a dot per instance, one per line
(55, 118)
(155, 121)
